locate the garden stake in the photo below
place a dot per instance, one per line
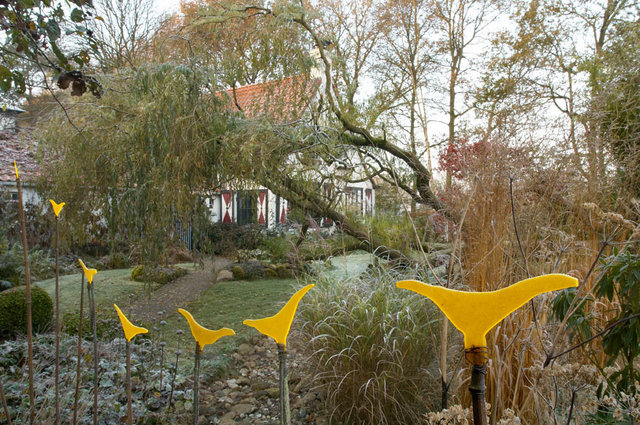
(78, 375)
(130, 330)
(173, 378)
(203, 336)
(32, 407)
(92, 310)
(476, 313)
(56, 209)
(277, 327)
(4, 404)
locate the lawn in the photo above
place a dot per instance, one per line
(111, 286)
(227, 304)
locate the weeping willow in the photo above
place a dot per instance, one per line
(139, 158)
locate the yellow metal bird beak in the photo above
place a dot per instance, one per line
(476, 313)
(15, 166)
(202, 335)
(130, 330)
(89, 273)
(278, 326)
(57, 207)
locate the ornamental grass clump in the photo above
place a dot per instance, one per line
(373, 349)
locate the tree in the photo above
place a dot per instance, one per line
(34, 33)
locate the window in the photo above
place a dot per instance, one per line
(246, 207)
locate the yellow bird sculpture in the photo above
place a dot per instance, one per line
(476, 313)
(130, 330)
(278, 326)
(57, 207)
(89, 273)
(202, 335)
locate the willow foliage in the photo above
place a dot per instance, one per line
(137, 159)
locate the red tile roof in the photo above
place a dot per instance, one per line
(284, 99)
(18, 146)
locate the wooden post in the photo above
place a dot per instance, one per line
(285, 412)
(78, 372)
(196, 385)
(32, 407)
(57, 419)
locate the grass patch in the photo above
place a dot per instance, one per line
(227, 304)
(112, 286)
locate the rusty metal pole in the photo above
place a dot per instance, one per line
(196, 385)
(32, 406)
(477, 356)
(129, 408)
(4, 404)
(57, 419)
(79, 363)
(285, 411)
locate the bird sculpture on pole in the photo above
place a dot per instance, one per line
(476, 313)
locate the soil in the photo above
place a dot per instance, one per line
(178, 293)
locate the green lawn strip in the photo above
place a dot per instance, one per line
(111, 286)
(226, 305)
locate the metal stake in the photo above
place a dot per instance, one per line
(78, 375)
(4, 404)
(32, 406)
(57, 419)
(477, 356)
(129, 408)
(196, 385)
(285, 412)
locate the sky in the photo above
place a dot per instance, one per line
(168, 6)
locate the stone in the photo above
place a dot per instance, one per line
(228, 419)
(224, 276)
(245, 349)
(243, 409)
(232, 383)
(273, 392)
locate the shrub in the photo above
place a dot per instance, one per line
(161, 275)
(227, 238)
(372, 348)
(13, 310)
(238, 272)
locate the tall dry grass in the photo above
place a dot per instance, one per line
(556, 234)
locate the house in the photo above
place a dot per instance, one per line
(16, 144)
(284, 100)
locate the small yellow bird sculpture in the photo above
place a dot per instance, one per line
(278, 326)
(202, 335)
(476, 313)
(89, 273)
(57, 207)
(130, 330)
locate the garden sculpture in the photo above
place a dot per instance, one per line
(476, 313)
(203, 336)
(56, 210)
(32, 406)
(89, 273)
(130, 330)
(277, 327)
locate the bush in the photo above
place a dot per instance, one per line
(373, 349)
(226, 238)
(117, 260)
(161, 275)
(13, 310)
(238, 272)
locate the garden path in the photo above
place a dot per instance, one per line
(168, 298)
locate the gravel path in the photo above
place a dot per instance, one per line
(178, 293)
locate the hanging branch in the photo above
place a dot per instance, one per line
(32, 407)
(56, 209)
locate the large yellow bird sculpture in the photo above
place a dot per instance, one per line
(57, 207)
(130, 330)
(202, 335)
(278, 326)
(476, 313)
(89, 273)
